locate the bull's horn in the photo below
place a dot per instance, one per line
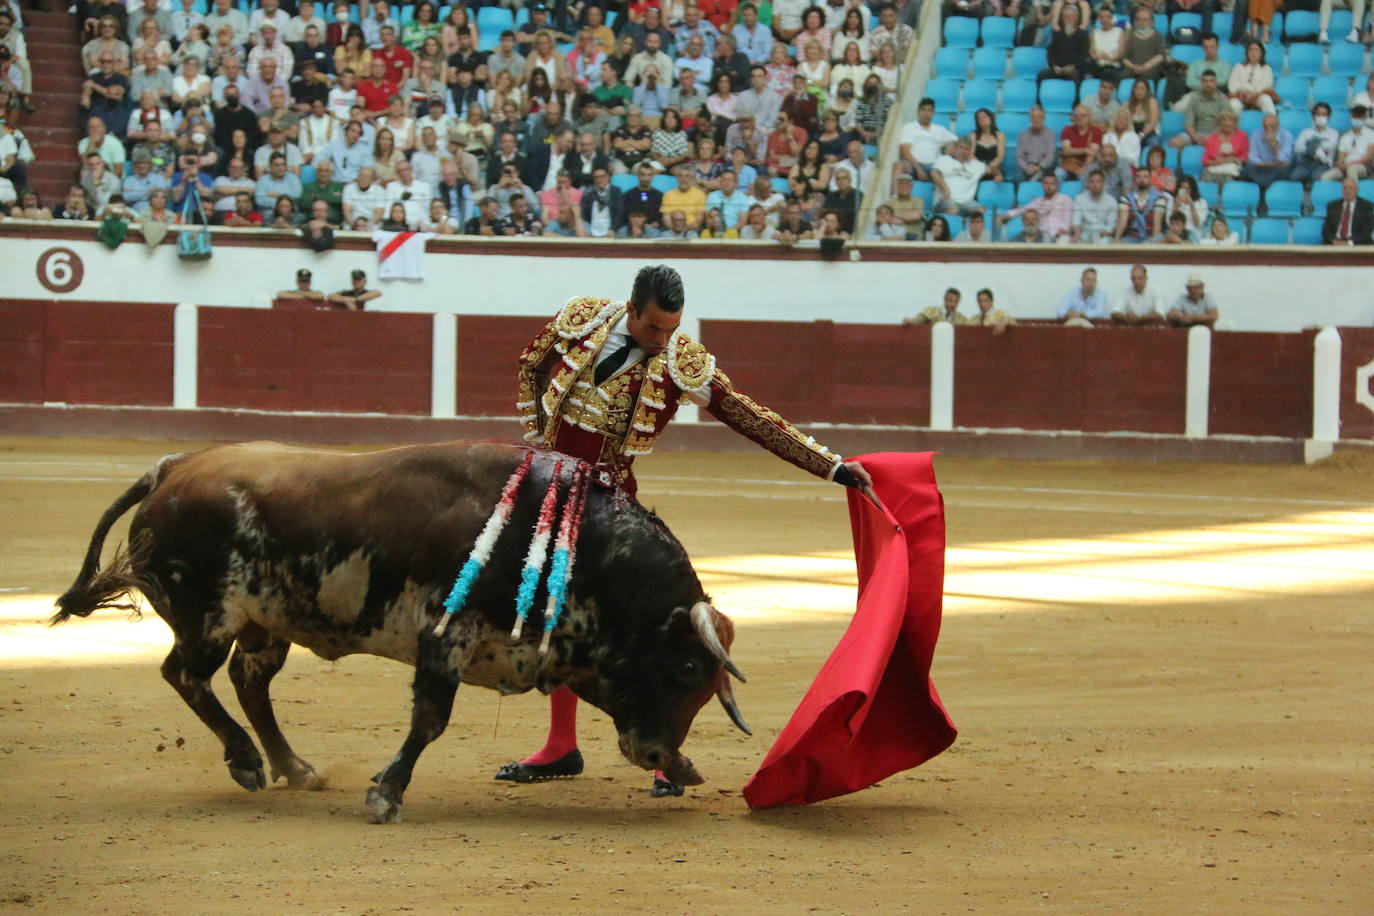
(727, 699)
(704, 620)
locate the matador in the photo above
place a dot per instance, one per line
(600, 383)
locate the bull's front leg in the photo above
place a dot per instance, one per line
(435, 685)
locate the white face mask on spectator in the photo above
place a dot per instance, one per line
(1320, 120)
(198, 138)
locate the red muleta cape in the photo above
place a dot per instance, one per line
(873, 710)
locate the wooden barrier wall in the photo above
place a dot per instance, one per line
(330, 361)
(86, 352)
(1039, 378)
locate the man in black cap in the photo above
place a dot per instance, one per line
(302, 290)
(355, 297)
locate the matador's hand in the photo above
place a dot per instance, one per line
(853, 474)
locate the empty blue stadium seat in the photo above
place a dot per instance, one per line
(1012, 123)
(1088, 88)
(956, 224)
(1307, 230)
(1018, 94)
(1011, 230)
(980, 94)
(1221, 25)
(1071, 188)
(1240, 199)
(1276, 26)
(924, 190)
(1343, 58)
(494, 19)
(624, 182)
(1341, 20)
(1028, 62)
(1284, 198)
(1340, 120)
(1162, 24)
(1323, 192)
(1056, 121)
(945, 92)
(1211, 192)
(1028, 191)
(1058, 95)
(964, 122)
(1250, 120)
(1300, 25)
(989, 63)
(999, 32)
(998, 195)
(1366, 187)
(779, 183)
(1171, 123)
(1305, 59)
(1190, 161)
(1295, 120)
(1232, 54)
(951, 63)
(1269, 231)
(1184, 21)
(664, 183)
(1333, 90)
(961, 32)
(1293, 90)
(1274, 54)
(1186, 53)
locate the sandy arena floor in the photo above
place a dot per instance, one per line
(1161, 676)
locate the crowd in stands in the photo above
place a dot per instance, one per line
(669, 120)
(16, 99)
(1147, 127)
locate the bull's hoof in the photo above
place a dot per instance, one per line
(382, 808)
(299, 775)
(251, 779)
(570, 764)
(662, 788)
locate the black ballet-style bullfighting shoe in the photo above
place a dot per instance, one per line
(570, 764)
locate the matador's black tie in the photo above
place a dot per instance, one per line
(608, 366)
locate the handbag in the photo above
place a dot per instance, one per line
(193, 244)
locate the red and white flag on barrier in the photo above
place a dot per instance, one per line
(872, 710)
(401, 255)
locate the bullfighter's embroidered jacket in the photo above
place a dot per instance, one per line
(610, 424)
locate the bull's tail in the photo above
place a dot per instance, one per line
(111, 587)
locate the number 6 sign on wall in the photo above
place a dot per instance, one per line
(60, 270)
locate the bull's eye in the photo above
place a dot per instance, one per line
(689, 670)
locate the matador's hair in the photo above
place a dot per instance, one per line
(658, 284)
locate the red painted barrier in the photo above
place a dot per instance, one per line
(22, 339)
(821, 372)
(1261, 384)
(346, 362)
(488, 360)
(1099, 380)
(1357, 349)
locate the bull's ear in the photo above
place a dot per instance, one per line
(680, 622)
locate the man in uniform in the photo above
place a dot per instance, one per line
(949, 312)
(601, 382)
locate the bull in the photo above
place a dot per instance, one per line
(258, 546)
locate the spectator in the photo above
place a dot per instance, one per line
(1161, 176)
(143, 181)
(1176, 231)
(353, 55)
(1056, 210)
(888, 70)
(277, 144)
(190, 84)
(280, 114)
(713, 224)
(376, 91)
(222, 49)
(99, 141)
(1140, 215)
(386, 158)
(1195, 306)
(364, 197)
(1102, 105)
(989, 316)
(1355, 151)
(670, 145)
(745, 135)
(276, 184)
(906, 207)
(400, 63)
(754, 228)
(871, 110)
(1036, 150)
(1079, 145)
(766, 196)
(1190, 205)
(224, 14)
(1261, 15)
(509, 188)
(30, 207)
(729, 62)
(792, 227)
(409, 191)
(1366, 96)
(687, 197)
(678, 228)
(813, 68)
(1201, 112)
(488, 220)
(1068, 54)
(886, 226)
(1271, 153)
(349, 153)
(850, 31)
(923, 142)
(889, 31)
(424, 25)
(98, 182)
(858, 166)
(844, 202)
(989, 143)
(236, 180)
(75, 207)
(1083, 303)
(1143, 52)
(753, 38)
(637, 226)
(1122, 135)
(157, 211)
(594, 123)
(1251, 84)
(956, 175)
(243, 216)
(151, 76)
(105, 94)
(760, 102)
(106, 43)
(316, 132)
(729, 201)
(284, 215)
(309, 85)
(810, 175)
(402, 126)
(1350, 219)
(948, 312)
(230, 75)
(528, 32)
(380, 19)
(602, 205)
(1031, 230)
(1117, 172)
(297, 30)
(1107, 44)
(302, 289)
(1210, 60)
(1225, 151)
(14, 58)
(356, 297)
(1220, 233)
(553, 200)
(975, 229)
(651, 95)
(1314, 151)
(265, 77)
(1140, 304)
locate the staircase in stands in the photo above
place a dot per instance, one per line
(55, 55)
